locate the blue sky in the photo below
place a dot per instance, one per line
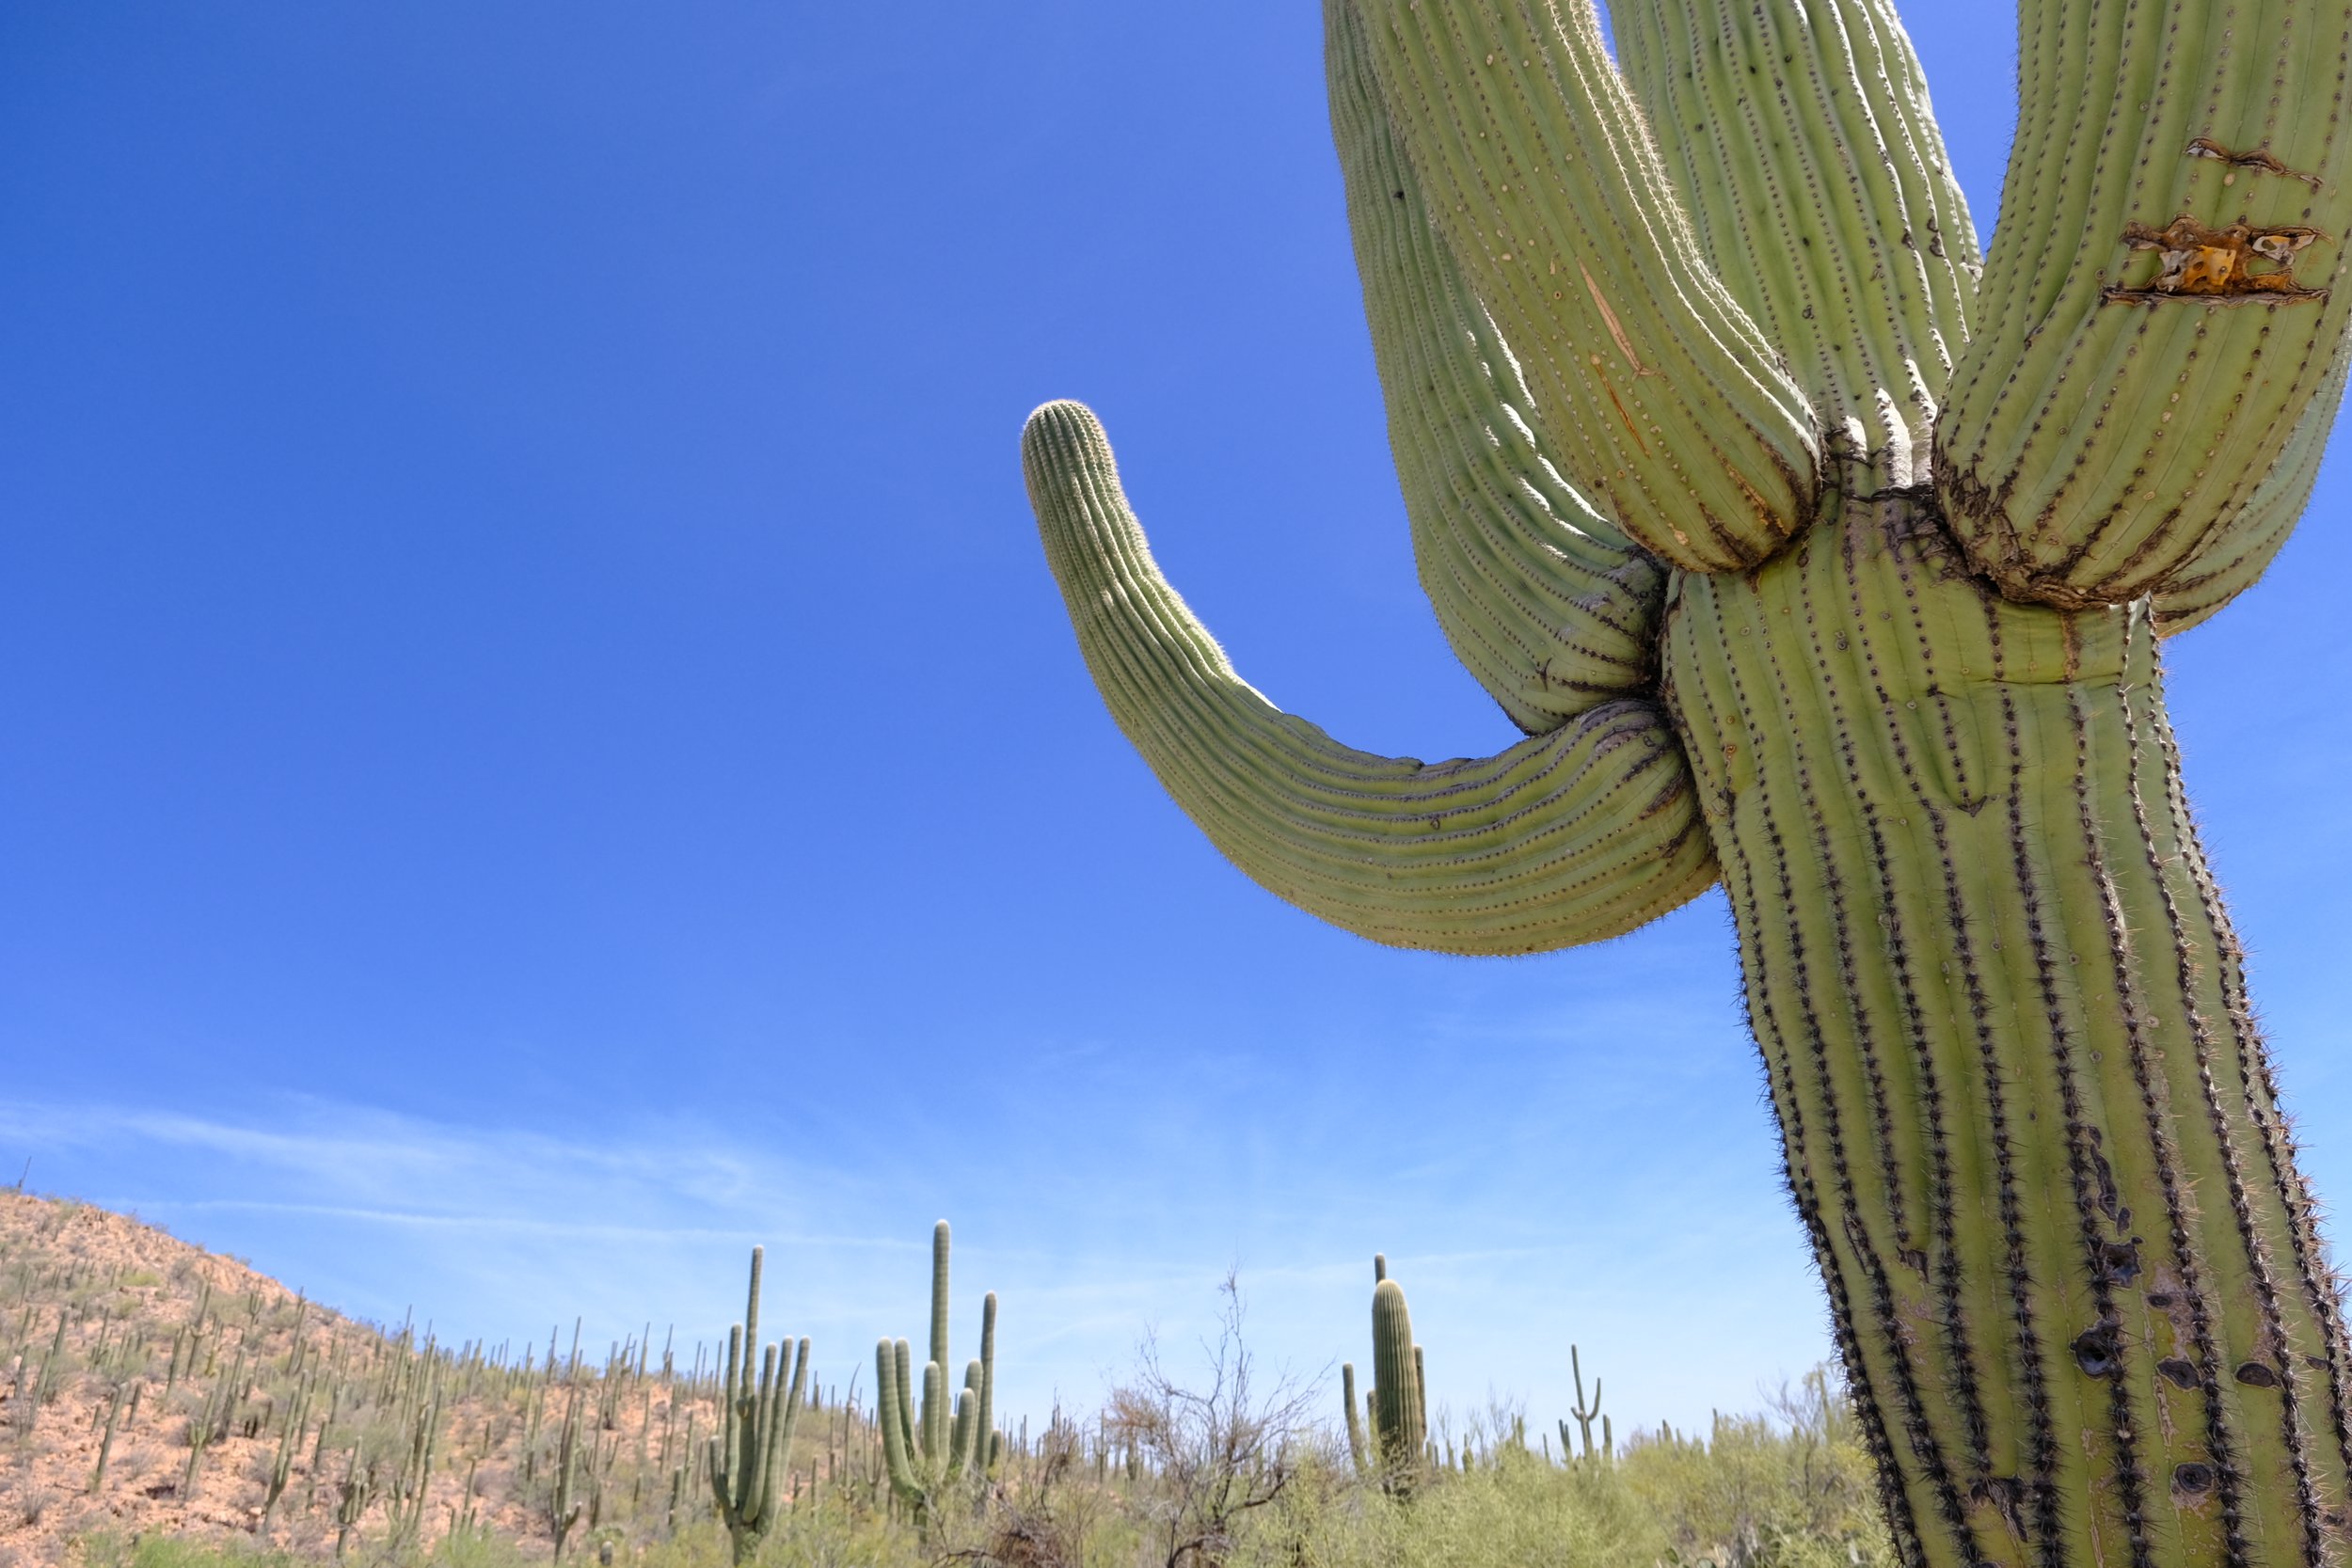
(543, 751)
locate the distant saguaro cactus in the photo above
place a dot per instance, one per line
(759, 1404)
(929, 1451)
(1400, 1403)
(1817, 556)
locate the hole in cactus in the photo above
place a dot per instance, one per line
(2216, 265)
(2179, 1372)
(2193, 1479)
(2255, 1375)
(2098, 1349)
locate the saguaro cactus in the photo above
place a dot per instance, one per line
(927, 1451)
(757, 1411)
(1815, 556)
(1400, 1403)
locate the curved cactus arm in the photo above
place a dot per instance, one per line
(2165, 297)
(1571, 838)
(1803, 137)
(1656, 392)
(894, 1412)
(2236, 555)
(1545, 600)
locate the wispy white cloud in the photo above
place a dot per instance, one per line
(1510, 1248)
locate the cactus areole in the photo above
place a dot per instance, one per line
(1816, 555)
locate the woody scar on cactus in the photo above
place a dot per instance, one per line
(1816, 555)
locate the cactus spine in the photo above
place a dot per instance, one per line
(1819, 557)
(929, 1450)
(756, 1415)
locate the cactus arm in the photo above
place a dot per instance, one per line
(988, 1374)
(961, 1442)
(940, 1246)
(936, 1419)
(2163, 301)
(892, 1411)
(1573, 836)
(1802, 137)
(1355, 1422)
(1547, 603)
(2235, 555)
(1654, 389)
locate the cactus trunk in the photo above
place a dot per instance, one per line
(2028, 1123)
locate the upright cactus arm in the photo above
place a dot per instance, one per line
(987, 1429)
(1354, 1419)
(2165, 297)
(1802, 137)
(895, 1414)
(1545, 600)
(1573, 836)
(1658, 395)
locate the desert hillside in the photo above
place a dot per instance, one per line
(162, 1406)
(148, 1387)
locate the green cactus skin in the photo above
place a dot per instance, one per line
(929, 1451)
(1356, 1451)
(1883, 657)
(757, 1415)
(1401, 1424)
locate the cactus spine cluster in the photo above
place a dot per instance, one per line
(759, 1404)
(1820, 557)
(930, 1449)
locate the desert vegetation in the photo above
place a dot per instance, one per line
(166, 1407)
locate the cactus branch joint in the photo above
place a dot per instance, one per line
(1819, 556)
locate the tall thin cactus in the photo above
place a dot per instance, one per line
(758, 1412)
(1399, 1400)
(926, 1450)
(1584, 1414)
(1818, 556)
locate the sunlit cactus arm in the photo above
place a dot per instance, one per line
(2165, 297)
(1573, 836)
(2237, 554)
(1545, 600)
(1655, 392)
(1818, 182)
